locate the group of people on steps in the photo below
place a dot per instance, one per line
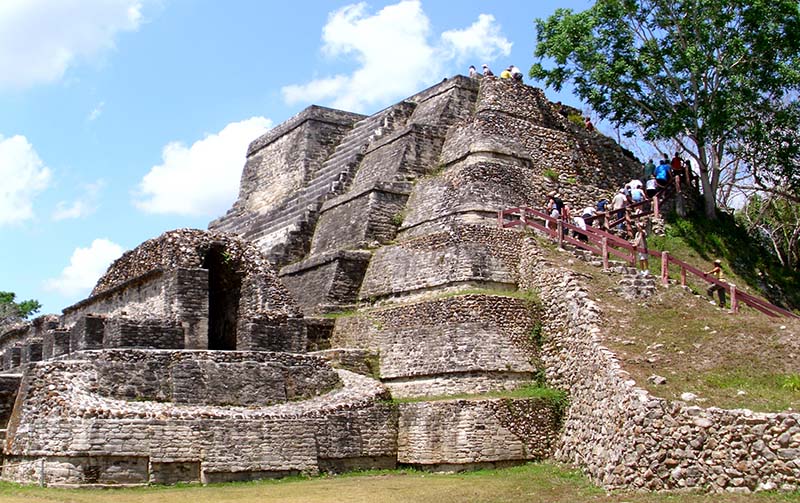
(630, 194)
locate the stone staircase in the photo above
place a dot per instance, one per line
(297, 215)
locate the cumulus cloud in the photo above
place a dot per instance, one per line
(482, 40)
(202, 179)
(393, 53)
(85, 267)
(22, 176)
(82, 207)
(40, 39)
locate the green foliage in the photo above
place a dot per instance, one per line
(740, 252)
(691, 71)
(769, 388)
(791, 382)
(534, 390)
(550, 174)
(571, 180)
(775, 222)
(397, 218)
(576, 119)
(536, 335)
(12, 311)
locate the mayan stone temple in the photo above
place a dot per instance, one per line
(360, 280)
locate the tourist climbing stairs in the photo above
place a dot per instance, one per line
(605, 245)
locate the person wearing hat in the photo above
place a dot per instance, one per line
(640, 245)
(555, 206)
(716, 272)
(516, 73)
(506, 74)
(487, 72)
(618, 203)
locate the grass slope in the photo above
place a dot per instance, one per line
(744, 360)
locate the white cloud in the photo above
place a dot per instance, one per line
(22, 176)
(85, 267)
(40, 39)
(482, 40)
(79, 208)
(393, 53)
(96, 112)
(202, 179)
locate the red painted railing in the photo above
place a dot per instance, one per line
(605, 244)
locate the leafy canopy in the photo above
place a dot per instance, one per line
(694, 71)
(11, 311)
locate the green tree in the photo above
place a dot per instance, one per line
(775, 221)
(698, 72)
(12, 311)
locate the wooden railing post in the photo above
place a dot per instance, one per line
(560, 230)
(683, 276)
(655, 206)
(665, 267)
(500, 218)
(734, 299)
(605, 252)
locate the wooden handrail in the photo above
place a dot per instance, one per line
(606, 243)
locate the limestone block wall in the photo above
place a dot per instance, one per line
(109, 440)
(624, 437)
(462, 344)
(360, 218)
(476, 185)
(283, 159)
(146, 295)
(127, 333)
(444, 434)
(445, 104)
(463, 254)
(326, 282)
(232, 378)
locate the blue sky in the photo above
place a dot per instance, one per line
(122, 119)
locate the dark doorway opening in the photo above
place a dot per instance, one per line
(224, 287)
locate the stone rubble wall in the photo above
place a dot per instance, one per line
(447, 434)
(24, 342)
(461, 344)
(86, 437)
(622, 436)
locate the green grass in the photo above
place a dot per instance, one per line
(550, 174)
(532, 391)
(698, 347)
(528, 295)
(745, 261)
(533, 482)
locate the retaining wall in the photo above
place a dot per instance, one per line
(622, 436)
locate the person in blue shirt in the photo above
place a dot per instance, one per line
(663, 173)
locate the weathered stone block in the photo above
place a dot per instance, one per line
(328, 282)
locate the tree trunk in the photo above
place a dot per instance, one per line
(706, 181)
